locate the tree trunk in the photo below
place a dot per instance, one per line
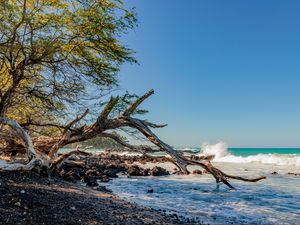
(51, 145)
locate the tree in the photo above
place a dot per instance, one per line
(52, 53)
(100, 128)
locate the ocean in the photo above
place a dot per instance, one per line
(275, 200)
(256, 151)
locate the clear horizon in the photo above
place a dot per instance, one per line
(222, 71)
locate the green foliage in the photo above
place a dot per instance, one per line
(122, 103)
(53, 52)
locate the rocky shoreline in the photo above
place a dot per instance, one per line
(103, 167)
(58, 198)
(29, 198)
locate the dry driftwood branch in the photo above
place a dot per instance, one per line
(31, 153)
(65, 134)
(35, 160)
(107, 110)
(51, 145)
(77, 119)
(60, 159)
(219, 175)
(153, 125)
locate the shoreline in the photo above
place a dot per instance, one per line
(29, 198)
(59, 197)
(272, 201)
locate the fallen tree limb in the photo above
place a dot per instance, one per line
(219, 175)
(35, 160)
(71, 134)
(60, 159)
(31, 153)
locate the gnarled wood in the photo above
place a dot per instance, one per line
(35, 160)
(104, 123)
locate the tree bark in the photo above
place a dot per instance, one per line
(36, 160)
(17, 75)
(70, 134)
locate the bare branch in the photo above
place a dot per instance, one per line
(22, 134)
(104, 124)
(63, 157)
(219, 175)
(44, 125)
(35, 160)
(78, 118)
(153, 125)
(133, 107)
(107, 109)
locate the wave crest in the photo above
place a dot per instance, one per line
(220, 150)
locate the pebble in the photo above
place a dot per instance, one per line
(150, 190)
(18, 203)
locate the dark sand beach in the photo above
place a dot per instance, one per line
(29, 198)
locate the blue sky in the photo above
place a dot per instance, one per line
(222, 70)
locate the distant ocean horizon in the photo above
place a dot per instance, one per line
(257, 150)
(247, 151)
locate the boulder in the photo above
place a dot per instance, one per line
(159, 171)
(146, 172)
(92, 182)
(135, 170)
(293, 174)
(150, 190)
(104, 178)
(92, 173)
(103, 189)
(197, 172)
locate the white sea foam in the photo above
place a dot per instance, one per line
(275, 200)
(277, 159)
(188, 149)
(220, 150)
(196, 196)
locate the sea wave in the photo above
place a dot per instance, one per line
(188, 149)
(220, 150)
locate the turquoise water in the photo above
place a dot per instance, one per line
(246, 151)
(255, 151)
(276, 156)
(250, 151)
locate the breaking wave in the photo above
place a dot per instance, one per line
(222, 154)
